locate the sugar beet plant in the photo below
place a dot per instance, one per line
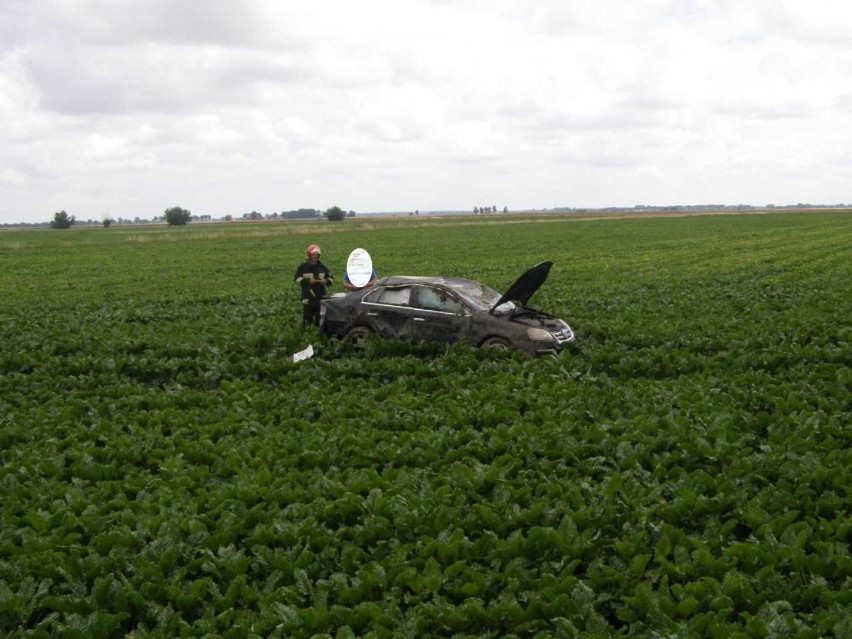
(683, 471)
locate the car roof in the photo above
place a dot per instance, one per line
(402, 280)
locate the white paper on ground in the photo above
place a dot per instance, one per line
(305, 354)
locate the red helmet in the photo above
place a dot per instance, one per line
(313, 248)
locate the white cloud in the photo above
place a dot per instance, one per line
(10, 177)
(403, 104)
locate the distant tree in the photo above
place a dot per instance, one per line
(350, 214)
(107, 222)
(61, 220)
(475, 210)
(177, 216)
(335, 214)
(505, 209)
(416, 211)
(228, 218)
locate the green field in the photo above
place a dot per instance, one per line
(683, 470)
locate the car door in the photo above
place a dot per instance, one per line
(438, 315)
(388, 309)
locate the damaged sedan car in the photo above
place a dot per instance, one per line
(448, 309)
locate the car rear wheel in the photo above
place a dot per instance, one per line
(356, 335)
(497, 342)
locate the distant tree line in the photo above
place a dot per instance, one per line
(299, 214)
(334, 214)
(177, 216)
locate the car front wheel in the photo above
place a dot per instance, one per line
(497, 342)
(356, 335)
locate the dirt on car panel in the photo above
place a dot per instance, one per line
(403, 327)
(477, 335)
(390, 323)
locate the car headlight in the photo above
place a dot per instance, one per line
(539, 335)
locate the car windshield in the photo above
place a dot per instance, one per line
(481, 296)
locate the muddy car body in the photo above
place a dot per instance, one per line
(448, 309)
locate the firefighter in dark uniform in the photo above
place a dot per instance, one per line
(314, 277)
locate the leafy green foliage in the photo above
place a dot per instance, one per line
(684, 470)
(176, 216)
(61, 220)
(335, 214)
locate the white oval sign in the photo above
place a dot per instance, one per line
(359, 267)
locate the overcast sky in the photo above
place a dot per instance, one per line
(123, 108)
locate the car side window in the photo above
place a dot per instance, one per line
(434, 299)
(394, 296)
(373, 296)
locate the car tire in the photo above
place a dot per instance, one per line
(356, 335)
(497, 342)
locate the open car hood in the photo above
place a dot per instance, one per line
(526, 285)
